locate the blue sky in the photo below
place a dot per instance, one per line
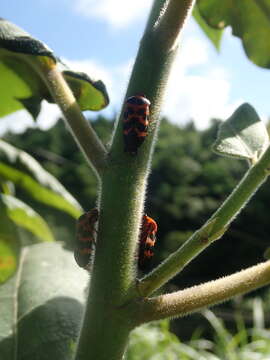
(101, 37)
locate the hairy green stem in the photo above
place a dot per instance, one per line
(195, 298)
(81, 129)
(113, 272)
(152, 67)
(121, 207)
(211, 231)
(107, 336)
(167, 29)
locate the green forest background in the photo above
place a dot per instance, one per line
(187, 184)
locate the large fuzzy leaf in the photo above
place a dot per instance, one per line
(90, 94)
(14, 213)
(243, 135)
(41, 308)
(154, 341)
(213, 34)
(250, 21)
(22, 87)
(9, 247)
(26, 173)
(24, 216)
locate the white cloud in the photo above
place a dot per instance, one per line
(48, 116)
(16, 122)
(118, 13)
(196, 89)
(199, 98)
(20, 120)
(91, 67)
(193, 52)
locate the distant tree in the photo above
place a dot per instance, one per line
(56, 150)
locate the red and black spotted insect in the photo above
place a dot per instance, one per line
(147, 241)
(85, 238)
(136, 121)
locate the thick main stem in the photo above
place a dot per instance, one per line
(121, 207)
(107, 336)
(113, 272)
(167, 29)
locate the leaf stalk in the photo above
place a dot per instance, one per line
(220, 221)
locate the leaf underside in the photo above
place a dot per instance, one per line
(48, 293)
(243, 135)
(25, 172)
(249, 20)
(21, 85)
(214, 35)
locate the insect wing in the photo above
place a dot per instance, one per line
(147, 241)
(85, 238)
(135, 125)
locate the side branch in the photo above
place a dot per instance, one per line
(195, 298)
(81, 129)
(209, 232)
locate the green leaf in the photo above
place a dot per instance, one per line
(8, 187)
(21, 86)
(17, 84)
(7, 302)
(26, 173)
(90, 94)
(13, 213)
(154, 341)
(9, 245)
(9, 250)
(243, 135)
(13, 38)
(21, 59)
(24, 216)
(250, 21)
(266, 253)
(214, 35)
(43, 305)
